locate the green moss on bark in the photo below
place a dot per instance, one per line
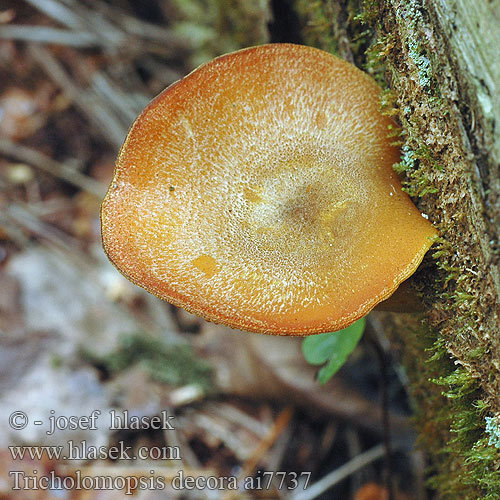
(451, 416)
(454, 365)
(458, 387)
(335, 26)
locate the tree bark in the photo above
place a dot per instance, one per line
(441, 63)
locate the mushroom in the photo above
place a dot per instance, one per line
(258, 192)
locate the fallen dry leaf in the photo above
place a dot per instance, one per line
(264, 366)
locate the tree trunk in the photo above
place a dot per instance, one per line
(441, 63)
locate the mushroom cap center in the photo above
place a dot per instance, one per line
(292, 207)
(259, 192)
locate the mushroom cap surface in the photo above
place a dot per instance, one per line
(258, 192)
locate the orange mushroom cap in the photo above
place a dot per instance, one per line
(258, 192)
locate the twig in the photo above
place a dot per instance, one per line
(77, 16)
(45, 34)
(339, 474)
(12, 230)
(53, 167)
(58, 12)
(22, 217)
(96, 110)
(275, 457)
(174, 437)
(104, 86)
(144, 29)
(354, 449)
(278, 427)
(217, 430)
(328, 438)
(382, 358)
(236, 416)
(111, 28)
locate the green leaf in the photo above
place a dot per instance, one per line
(332, 348)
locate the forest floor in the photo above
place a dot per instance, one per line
(77, 337)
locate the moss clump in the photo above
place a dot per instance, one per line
(215, 27)
(336, 27)
(175, 364)
(318, 19)
(468, 453)
(417, 183)
(452, 419)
